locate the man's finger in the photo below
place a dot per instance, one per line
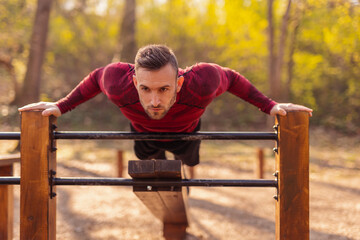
(282, 112)
(33, 106)
(47, 112)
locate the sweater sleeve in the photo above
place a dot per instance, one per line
(85, 90)
(217, 80)
(241, 87)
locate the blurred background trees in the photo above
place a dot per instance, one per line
(303, 51)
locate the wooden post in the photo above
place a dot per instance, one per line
(6, 205)
(259, 165)
(169, 204)
(37, 208)
(7, 197)
(292, 166)
(120, 163)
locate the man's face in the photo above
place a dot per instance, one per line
(157, 90)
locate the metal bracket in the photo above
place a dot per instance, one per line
(53, 145)
(276, 175)
(52, 174)
(276, 128)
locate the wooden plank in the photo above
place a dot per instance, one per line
(174, 231)
(169, 204)
(175, 203)
(153, 202)
(8, 159)
(37, 209)
(6, 205)
(292, 164)
(155, 169)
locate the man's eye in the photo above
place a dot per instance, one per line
(163, 89)
(145, 89)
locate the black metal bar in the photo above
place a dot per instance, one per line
(9, 136)
(153, 136)
(9, 180)
(164, 183)
(155, 183)
(167, 136)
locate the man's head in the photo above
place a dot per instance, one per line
(156, 79)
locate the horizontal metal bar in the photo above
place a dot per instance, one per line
(154, 183)
(152, 136)
(164, 183)
(9, 135)
(9, 180)
(167, 136)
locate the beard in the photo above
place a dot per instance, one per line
(162, 109)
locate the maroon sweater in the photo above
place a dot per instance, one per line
(203, 82)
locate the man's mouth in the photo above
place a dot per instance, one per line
(156, 109)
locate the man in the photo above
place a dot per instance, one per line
(157, 96)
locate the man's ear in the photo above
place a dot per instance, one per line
(135, 81)
(180, 82)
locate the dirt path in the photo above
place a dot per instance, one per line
(86, 213)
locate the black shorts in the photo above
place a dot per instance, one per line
(186, 151)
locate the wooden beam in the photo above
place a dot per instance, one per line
(37, 209)
(169, 204)
(292, 165)
(155, 169)
(9, 159)
(6, 205)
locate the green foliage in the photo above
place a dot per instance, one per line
(327, 63)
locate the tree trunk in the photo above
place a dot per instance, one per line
(287, 87)
(281, 52)
(127, 41)
(31, 87)
(7, 63)
(274, 85)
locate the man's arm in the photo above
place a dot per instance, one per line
(240, 86)
(85, 90)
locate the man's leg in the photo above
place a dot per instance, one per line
(145, 150)
(189, 171)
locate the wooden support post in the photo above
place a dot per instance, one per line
(120, 163)
(37, 208)
(6, 205)
(292, 165)
(259, 165)
(169, 204)
(7, 197)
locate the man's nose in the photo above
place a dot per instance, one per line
(155, 100)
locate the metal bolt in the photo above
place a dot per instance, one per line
(53, 195)
(276, 197)
(275, 150)
(276, 174)
(276, 127)
(53, 149)
(54, 127)
(149, 188)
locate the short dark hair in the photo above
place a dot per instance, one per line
(154, 57)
